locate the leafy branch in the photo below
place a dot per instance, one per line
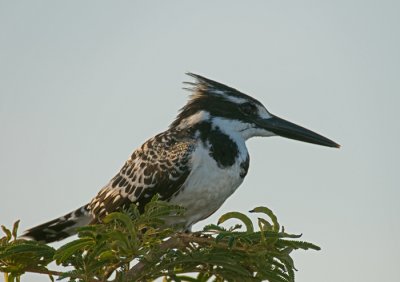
(130, 246)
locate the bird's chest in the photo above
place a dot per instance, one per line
(217, 171)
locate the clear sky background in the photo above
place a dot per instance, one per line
(83, 83)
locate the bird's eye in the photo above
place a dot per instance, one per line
(248, 109)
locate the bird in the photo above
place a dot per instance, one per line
(197, 163)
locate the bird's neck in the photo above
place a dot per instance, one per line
(225, 138)
(226, 147)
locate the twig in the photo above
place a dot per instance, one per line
(44, 271)
(177, 241)
(55, 273)
(136, 271)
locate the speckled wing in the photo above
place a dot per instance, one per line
(160, 166)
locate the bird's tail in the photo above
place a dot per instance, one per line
(59, 228)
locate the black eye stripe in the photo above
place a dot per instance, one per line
(248, 108)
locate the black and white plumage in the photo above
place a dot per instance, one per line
(198, 162)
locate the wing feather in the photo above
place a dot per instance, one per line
(160, 166)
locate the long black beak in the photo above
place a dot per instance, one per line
(290, 130)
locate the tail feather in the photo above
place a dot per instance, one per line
(59, 228)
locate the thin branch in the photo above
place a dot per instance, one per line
(178, 241)
(189, 238)
(136, 271)
(44, 271)
(56, 273)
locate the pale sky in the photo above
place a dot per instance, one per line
(83, 83)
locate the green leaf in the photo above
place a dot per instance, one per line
(123, 218)
(299, 244)
(126, 238)
(268, 212)
(15, 229)
(238, 215)
(213, 227)
(66, 251)
(27, 249)
(264, 224)
(7, 232)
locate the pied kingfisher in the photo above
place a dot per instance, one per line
(198, 162)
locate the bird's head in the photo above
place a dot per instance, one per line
(236, 113)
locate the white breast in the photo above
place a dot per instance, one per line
(208, 186)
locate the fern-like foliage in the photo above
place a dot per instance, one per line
(129, 246)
